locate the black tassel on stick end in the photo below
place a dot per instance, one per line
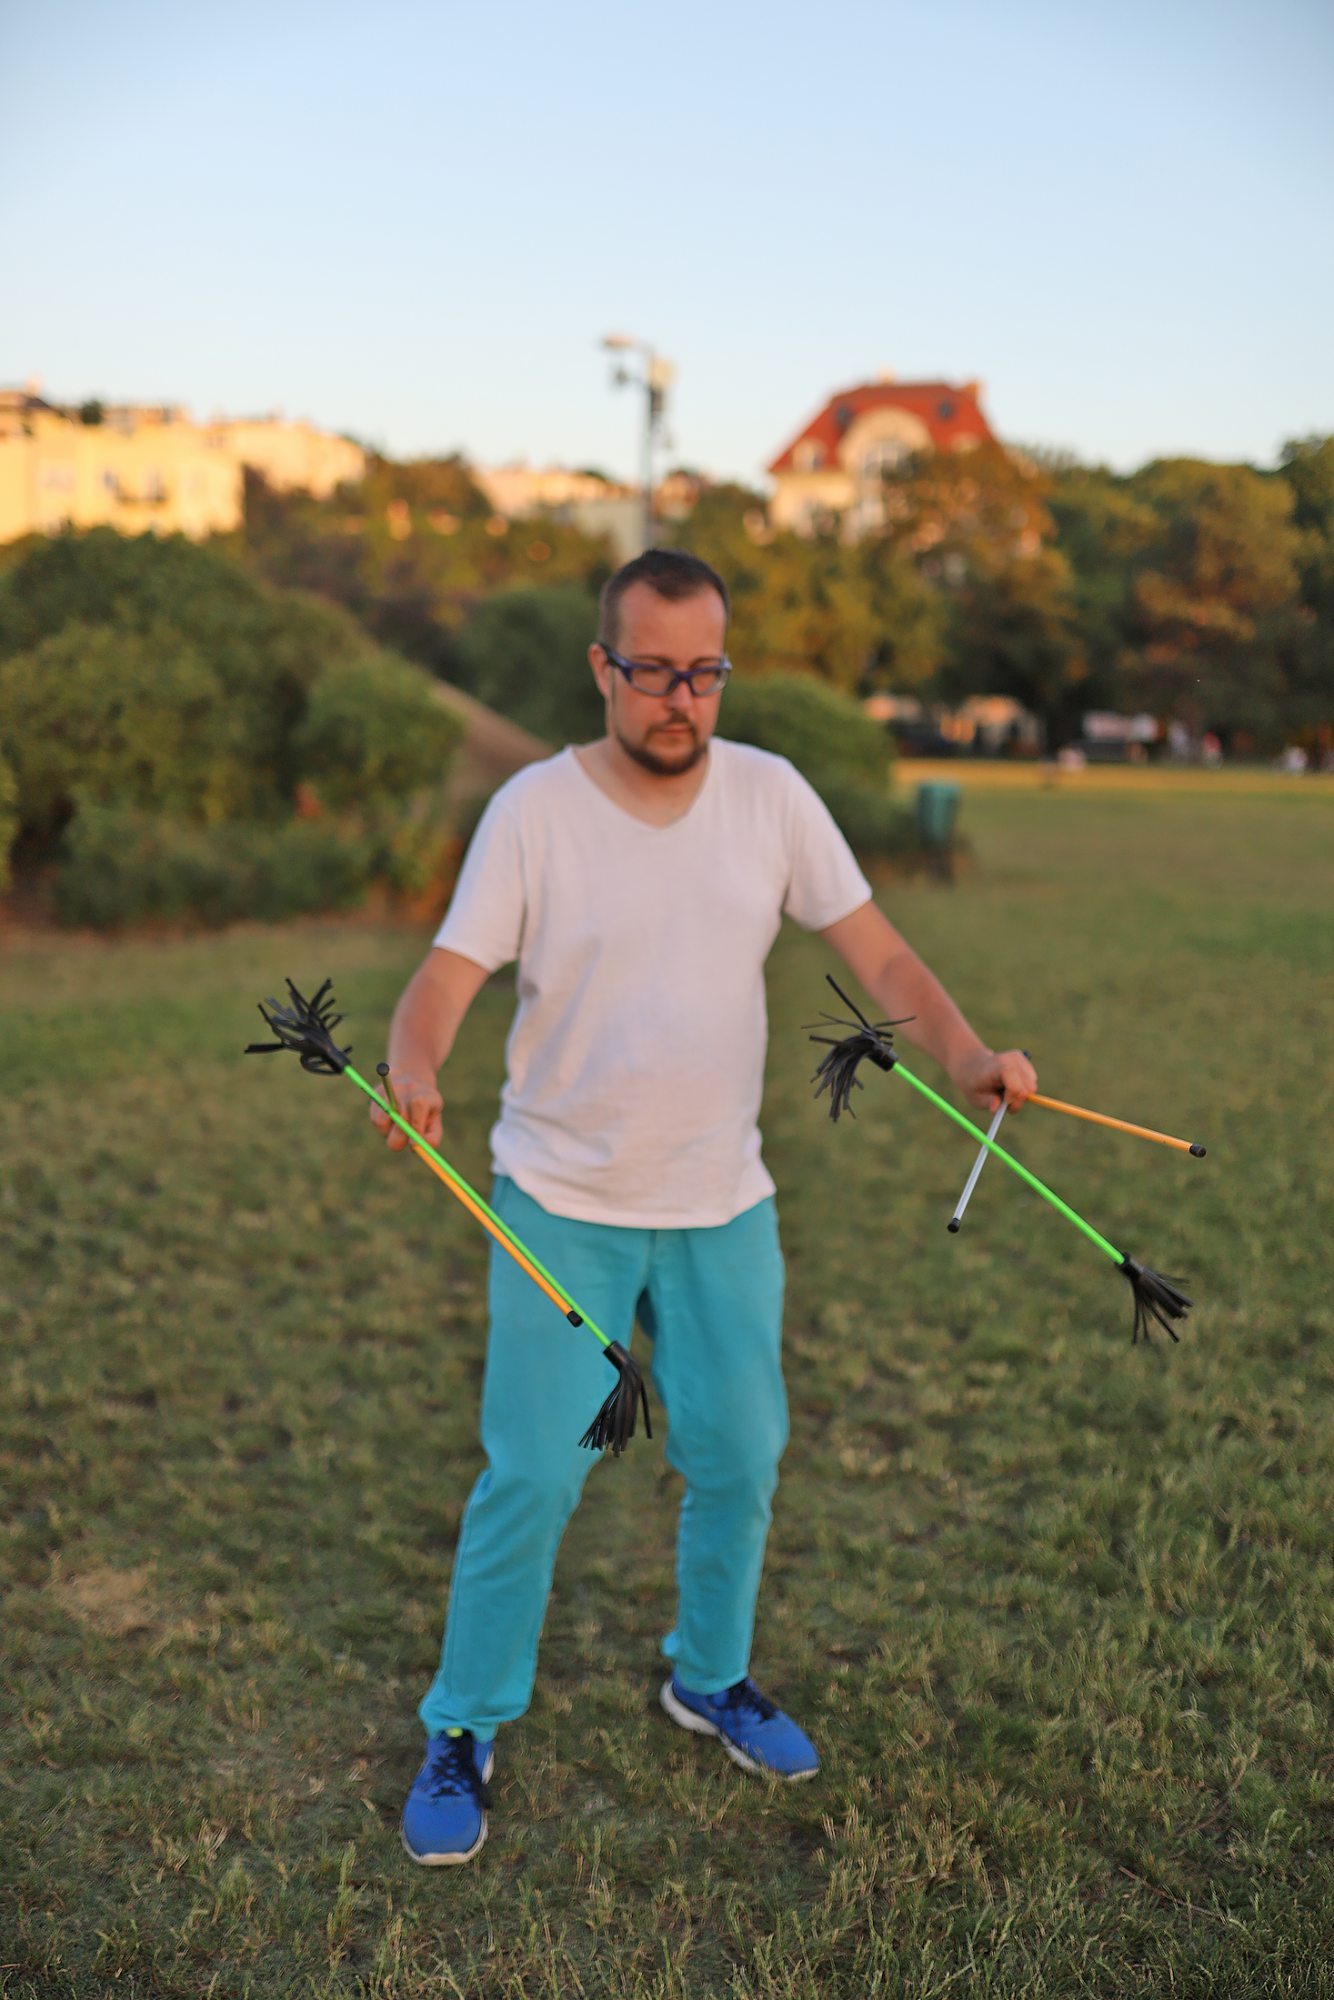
(306, 1027)
(1158, 1301)
(869, 1041)
(614, 1425)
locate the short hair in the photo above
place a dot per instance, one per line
(670, 573)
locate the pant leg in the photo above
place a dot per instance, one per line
(545, 1381)
(715, 1303)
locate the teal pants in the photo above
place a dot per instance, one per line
(711, 1301)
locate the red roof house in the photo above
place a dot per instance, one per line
(835, 467)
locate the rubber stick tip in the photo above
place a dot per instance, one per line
(382, 1069)
(953, 1225)
(1198, 1150)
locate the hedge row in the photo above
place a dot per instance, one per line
(123, 867)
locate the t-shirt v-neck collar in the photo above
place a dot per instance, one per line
(624, 815)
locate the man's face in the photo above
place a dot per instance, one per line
(664, 734)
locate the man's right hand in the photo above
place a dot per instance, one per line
(420, 1103)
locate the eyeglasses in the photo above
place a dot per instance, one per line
(645, 677)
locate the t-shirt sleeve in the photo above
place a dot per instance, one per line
(824, 880)
(484, 921)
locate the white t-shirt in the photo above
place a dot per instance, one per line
(636, 1057)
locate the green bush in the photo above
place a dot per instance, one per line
(198, 691)
(374, 729)
(844, 755)
(125, 867)
(416, 845)
(169, 716)
(264, 650)
(824, 733)
(871, 822)
(525, 654)
(9, 819)
(121, 718)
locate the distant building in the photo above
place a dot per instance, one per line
(134, 469)
(140, 467)
(833, 471)
(293, 457)
(518, 490)
(584, 500)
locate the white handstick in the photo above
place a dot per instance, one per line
(978, 1165)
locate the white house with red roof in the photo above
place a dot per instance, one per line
(834, 469)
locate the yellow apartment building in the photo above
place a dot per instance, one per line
(293, 457)
(143, 467)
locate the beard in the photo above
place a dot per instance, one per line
(668, 766)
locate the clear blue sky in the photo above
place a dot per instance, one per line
(415, 221)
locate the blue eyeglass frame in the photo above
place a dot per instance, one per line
(678, 674)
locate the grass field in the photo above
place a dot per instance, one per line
(1058, 1611)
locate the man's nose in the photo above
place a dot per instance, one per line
(681, 698)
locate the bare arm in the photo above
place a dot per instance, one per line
(898, 981)
(427, 1018)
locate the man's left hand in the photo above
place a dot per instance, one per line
(987, 1075)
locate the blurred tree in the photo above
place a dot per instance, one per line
(525, 654)
(1104, 530)
(978, 527)
(9, 819)
(424, 483)
(1307, 465)
(1215, 602)
(411, 551)
(857, 615)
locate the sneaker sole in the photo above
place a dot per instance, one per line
(442, 1860)
(698, 1726)
(451, 1860)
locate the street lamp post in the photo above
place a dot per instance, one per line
(654, 379)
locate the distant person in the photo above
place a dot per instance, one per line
(639, 882)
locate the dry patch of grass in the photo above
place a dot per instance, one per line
(114, 1602)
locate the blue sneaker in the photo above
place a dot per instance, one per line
(755, 1734)
(444, 1819)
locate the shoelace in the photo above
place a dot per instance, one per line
(454, 1770)
(743, 1698)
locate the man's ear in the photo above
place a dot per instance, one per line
(602, 668)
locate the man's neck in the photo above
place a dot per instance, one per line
(656, 797)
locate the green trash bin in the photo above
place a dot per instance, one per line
(937, 812)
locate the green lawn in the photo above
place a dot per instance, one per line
(1058, 1611)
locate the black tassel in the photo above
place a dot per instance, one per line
(1158, 1301)
(870, 1041)
(306, 1027)
(614, 1425)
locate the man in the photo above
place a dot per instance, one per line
(639, 882)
